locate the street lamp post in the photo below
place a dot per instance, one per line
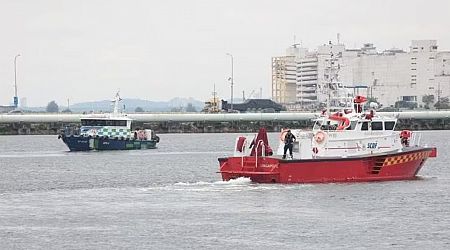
(231, 81)
(16, 99)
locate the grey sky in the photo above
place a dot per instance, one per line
(155, 50)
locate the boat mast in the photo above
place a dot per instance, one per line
(116, 104)
(332, 82)
(329, 80)
(328, 84)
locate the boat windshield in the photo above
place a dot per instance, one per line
(389, 125)
(317, 125)
(329, 125)
(352, 125)
(326, 125)
(94, 122)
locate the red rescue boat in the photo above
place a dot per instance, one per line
(348, 146)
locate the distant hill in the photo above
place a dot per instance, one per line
(130, 105)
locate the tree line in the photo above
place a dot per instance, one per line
(53, 107)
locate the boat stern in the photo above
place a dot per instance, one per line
(258, 169)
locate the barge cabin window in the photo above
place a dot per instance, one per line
(93, 122)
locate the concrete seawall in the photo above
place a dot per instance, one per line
(208, 123)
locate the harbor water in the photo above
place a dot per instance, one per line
(173, 198)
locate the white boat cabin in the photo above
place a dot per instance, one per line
(114, 125)
(106, 126)
(347, 131)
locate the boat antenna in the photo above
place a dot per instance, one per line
(295, 44)
(330, 79)
(116, 103)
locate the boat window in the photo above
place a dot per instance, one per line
(122, 123)
(365, 126)
(329, 125)
(86, 122)
(352, 125)
(100, 122)
(389, 125)
(377, 126)
(317, 124)
(93, 122)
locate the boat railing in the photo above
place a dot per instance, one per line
(415, 139)
(360, 136)
(244, 146)
(418, 141)
(263, 151)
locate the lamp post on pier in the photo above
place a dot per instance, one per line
(16, 99)
(231, 80)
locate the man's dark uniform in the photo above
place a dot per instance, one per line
(288, 143)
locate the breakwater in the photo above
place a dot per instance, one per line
(208, 123)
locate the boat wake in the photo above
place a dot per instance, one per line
(238, 181)
(238, 184)
(235, 185)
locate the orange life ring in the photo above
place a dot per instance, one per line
(320, 136)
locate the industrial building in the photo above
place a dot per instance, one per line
(391, 76)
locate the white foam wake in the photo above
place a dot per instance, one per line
(238, 181)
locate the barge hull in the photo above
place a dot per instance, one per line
(82, 143)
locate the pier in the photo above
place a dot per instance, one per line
(209, 123)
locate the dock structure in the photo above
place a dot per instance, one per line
(209, 123)
(220, 117)
(164, 117)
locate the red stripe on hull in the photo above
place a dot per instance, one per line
(398, 166)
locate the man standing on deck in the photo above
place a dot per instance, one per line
(289, 140)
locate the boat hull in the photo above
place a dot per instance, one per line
(86, 143)
(384, 167)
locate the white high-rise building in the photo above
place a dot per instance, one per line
(307, 78)
(392, 77)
